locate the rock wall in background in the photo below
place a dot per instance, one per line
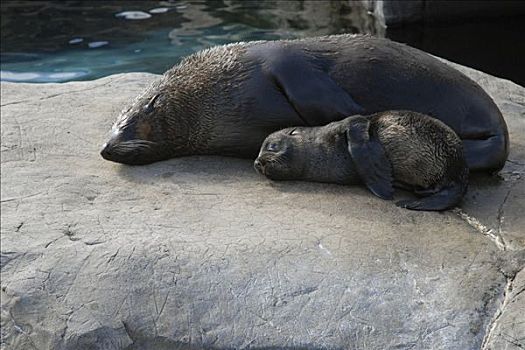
(397, 12)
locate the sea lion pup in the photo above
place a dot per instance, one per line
(384, 150)
(225, 100)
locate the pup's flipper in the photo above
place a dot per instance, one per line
(369, 157)
(446, 198)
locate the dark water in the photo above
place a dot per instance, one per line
(56, 41)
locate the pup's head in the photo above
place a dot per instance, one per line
(308, 153)
(285, 154)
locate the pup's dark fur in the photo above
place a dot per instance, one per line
(396, 148)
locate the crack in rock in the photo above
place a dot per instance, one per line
(493, 235)
(500, 216)
(491, 327)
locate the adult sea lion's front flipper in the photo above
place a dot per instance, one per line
(369, 157)
(313, 94)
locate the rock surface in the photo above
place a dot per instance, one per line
(201, 252)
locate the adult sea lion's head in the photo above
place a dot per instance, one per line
(154, 127)
(177, 115)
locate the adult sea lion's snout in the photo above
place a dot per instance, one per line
(124, 148)
(106, 151)
(133, 152)
(116, 152)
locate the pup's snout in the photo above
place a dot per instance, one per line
(259, 165)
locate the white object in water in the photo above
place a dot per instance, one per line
(133, 15)
(159, 10)
(76, 41)
(95, 44)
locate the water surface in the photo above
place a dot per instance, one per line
(57, 41)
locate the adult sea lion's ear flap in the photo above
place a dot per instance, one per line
(369, 158)
(313, 94)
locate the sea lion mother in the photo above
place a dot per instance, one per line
(226, 99)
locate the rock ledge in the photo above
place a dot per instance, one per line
(201, 252)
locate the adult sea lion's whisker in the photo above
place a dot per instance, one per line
(133, 145)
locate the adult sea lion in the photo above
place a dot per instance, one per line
(394, 148)
(225, 100)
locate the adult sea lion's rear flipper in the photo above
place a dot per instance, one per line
(369, 158)
(445, 199)
(313, 94)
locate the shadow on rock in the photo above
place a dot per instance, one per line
(196, 167)
(314, 188)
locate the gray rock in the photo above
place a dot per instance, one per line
(507, 331)
(201, 252)
(495, 201)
